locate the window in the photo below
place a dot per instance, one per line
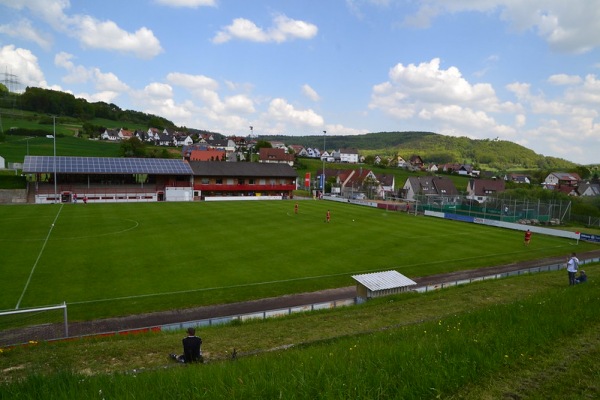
(219, 181)
(240, 181)
(205, 181)
(251, 181)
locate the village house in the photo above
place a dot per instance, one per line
(436, 188)
(416, 162)
(267, 155)
(208, 155)
(588, 189)
(481, 189)
(348, 156)
(517, 178)
(556, 180)
(111, 135)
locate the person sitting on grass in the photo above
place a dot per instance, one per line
(582, 277)
(191, 348)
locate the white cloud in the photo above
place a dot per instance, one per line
(91, 33)
(107, 35)
(107, 96)
(107, 84)
(187, 3)
(239, 104)
(281, 110)
(567, 26)
(444, 101)
(310, 93)
(284, 29)
(23, 29)
(23, 63)
(564, 79)
(192, 82)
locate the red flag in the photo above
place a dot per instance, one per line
(307, 179)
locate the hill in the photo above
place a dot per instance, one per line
(33, 111)
(435, 148)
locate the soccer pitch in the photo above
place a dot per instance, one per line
(118, 259)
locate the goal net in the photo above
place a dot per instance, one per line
(33, 325)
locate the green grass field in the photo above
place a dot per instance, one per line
(119, 259)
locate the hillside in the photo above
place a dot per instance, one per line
(436, 148)
(33, 111)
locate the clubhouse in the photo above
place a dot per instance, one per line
(105, 179)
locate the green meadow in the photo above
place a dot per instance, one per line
(108, 260)
(523, 337)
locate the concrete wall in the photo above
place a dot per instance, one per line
(13, 196)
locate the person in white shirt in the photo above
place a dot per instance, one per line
(572, 266)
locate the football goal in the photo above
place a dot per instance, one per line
(30, 325)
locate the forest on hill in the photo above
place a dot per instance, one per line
(435, 148)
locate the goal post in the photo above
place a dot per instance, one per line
(33, 324)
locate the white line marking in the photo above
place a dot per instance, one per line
(38, 257)
(347, 273)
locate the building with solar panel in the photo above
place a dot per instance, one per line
(106, 179)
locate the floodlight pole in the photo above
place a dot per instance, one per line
(323, 193)
(54, 135)
(250, 147)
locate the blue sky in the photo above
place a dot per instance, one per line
(523, 71)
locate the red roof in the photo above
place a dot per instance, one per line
(207, 155)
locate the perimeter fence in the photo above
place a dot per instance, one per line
(508, 209)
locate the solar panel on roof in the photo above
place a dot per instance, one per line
(82, 165)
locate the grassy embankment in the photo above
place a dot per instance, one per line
(521, 337)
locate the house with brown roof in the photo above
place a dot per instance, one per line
(355, 181)
(125, 134)
(387, 183)
(481, 189)
(278, 156)
(298, 149)
(416, 161)
(561, 179)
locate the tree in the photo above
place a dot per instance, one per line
(133, 148)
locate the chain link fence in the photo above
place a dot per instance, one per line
(507, 209)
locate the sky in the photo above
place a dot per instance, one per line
(522, 71)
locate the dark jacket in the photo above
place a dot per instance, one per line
(191, 348)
